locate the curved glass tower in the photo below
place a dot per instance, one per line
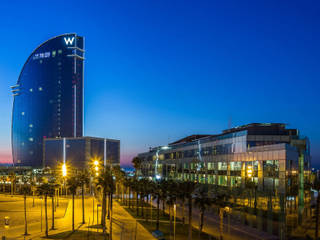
(48, 98)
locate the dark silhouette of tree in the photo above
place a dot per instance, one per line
(202, 200)
(46, 189)
(73, 184)
(25, 190)
(83, 178)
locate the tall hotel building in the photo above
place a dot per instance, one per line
(268, 154)
(48, 98)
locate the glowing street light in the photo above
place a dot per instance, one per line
(64, 170)
(249, 171)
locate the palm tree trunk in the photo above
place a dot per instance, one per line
(46, 213)
(141, 204)
(190, 218)
(109, 205)
(317, 217)
(25, 215)
(72, 212)
(158, 211)
(170, 221)
(104, 210)
(137, 204)
(201, 223)
(110, 234)
(183, 209)
(163, 207)
(147, 215)
(52, 208)
(33, 198)
(83, 220)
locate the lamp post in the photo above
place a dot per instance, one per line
(174, 220)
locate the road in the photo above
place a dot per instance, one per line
(236, 230)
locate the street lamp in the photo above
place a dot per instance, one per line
(64, 170)
(249, 171)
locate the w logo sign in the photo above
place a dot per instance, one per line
(68, 40)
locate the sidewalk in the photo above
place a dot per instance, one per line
(124, 226)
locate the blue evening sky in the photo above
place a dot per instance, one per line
(156, 71)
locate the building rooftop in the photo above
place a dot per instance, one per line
(252, 129)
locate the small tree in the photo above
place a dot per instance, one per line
(25, 190)
(136, 161)
(72, 184)
(202, 201)
(46, 189)
(189, 188)
(84, 179)
(316, 185)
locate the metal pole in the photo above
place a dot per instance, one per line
(97, 214)
(135, 235)
(174, 219)
(41, 213)
(93, 210)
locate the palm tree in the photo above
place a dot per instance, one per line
(202, 201)
(220, 197)
(3, 179)
(105, 180)
(25, 191)
(46, 190)
(12, 177)
(157, 194)
(163, 194)
(136, 161)
(54, 185)
(316, 186)
(188, 187)
(171, 198)
(83, 178)
(73, 185)
(182, 196)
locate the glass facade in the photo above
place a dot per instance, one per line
(79, 152)
(48, 98)
(265, 154)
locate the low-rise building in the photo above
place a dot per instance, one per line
(80, 152)
(268, 154)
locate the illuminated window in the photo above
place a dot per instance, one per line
(22, 113)
(59, 51)
(31, 90)
(54, 53)
(40, 88)
(31, 125)
(31, 139)
(40, 61)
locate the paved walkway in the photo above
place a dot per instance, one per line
(124, 225)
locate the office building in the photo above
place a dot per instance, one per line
(270, 155)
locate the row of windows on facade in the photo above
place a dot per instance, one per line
(268, 182)
(209, 151)
(269, 167)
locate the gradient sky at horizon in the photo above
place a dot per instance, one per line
(157, 71)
